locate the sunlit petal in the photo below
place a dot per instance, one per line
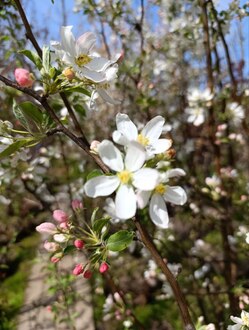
(153, 129)
(85, 43)
(175, 195)
(158, 211)
(101, 186)
(135, 156)
(145, 179)
(111, 156)
(143, 198)
(68, 40)
(125, 202)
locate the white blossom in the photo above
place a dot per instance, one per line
(129, 175)
(148, 138)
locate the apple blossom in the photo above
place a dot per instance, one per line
(159, 195)
(241, 322)
(130, 175)
(148, 138)
(51, 246)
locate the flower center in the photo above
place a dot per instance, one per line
(143, 140)
(125, 176)
(245, 319)
(160, 189)
(82, 60)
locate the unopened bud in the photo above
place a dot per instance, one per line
(60, 216)
(87, 274)
(23, 77)
(170, 153)
(77, 205)
(94, 146)
(46, 227)
(68, 73)
(78, 269)
(79, 244)
(103, 267)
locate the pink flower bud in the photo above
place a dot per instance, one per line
(46, 227)
(63, 225)
(51, 246)
(60, 216)
(78, 269)
(103, 267)
(54, 260)
(23, 77)
(77, 205)
(79, 244)
(87, 274)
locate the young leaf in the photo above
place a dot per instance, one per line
(99, 224)
(31, 111)
(33, 57)
(17, 145)
(19, 116)
(120, 240)
(93, 174)
(46, 58)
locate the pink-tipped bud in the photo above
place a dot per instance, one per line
(51, 246)
(46, 227)
(78, 269)
(54, 260)
(60, 216)
(77, 205)
(103, 267)
(87, 274)
(23, 77)
(68, 73)
(94, 146)
(79, 244)
(64, 225)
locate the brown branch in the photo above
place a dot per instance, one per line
(29, 33)
(181, 301)
(227, 54)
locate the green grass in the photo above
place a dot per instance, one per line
(13, 288)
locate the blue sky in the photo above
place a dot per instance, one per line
(45, 14)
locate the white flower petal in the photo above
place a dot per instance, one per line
(98, 64)
(153, 128)
(60, 238)
(95, 76)
(68, 40)
(126, 130)
(125, 202)
(158, 211)
(143, 198)
(175, 195)
(135, 156)
(199, 120)
(85, 43)
(145, 179)
(161, 145)
(111, 156)
(236, 320)
(174, 172)
(105, 96)
(101, 186)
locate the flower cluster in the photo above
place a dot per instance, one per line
(78, 59)
(137, 179)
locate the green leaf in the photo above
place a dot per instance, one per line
(17, 145)
(46, 58)
(80, 109)
(93, 174)
(120, 240)
(93, 217)
(68, 249)
(99, 224)
(31, 111)
(78, 90)
(33, 57)
(19, 116)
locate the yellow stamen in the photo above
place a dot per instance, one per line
(82, 60)
(143, 140)
(125, 176)
(160, 189)
(245, 319)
